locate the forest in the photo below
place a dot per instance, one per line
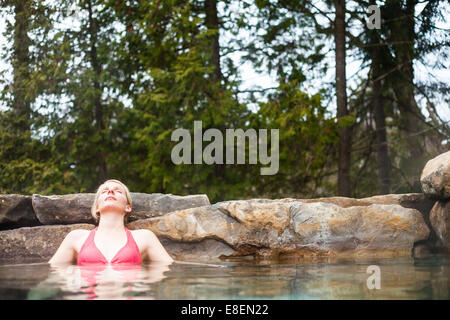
(94, 89)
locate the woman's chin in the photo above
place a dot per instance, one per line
(112, 208)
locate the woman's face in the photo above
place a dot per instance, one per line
(113, 198)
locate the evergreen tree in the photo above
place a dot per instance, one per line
(26, 161)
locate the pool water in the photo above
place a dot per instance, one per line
(399, 278)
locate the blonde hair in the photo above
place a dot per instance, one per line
(94, 212)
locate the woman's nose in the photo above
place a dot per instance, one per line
(112, 191)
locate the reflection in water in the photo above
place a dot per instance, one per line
(101, 281)
(401, 278)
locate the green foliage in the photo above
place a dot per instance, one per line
(98, 87)
(308, 135)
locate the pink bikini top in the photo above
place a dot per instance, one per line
(90, 254)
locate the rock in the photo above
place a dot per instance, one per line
(421, 250)
(16, 211)
(259, 228)
(343, 202)
(416, 201)
(205, 250)
(271, 228)
(64, 209)
(76, 208)
(327, 227)
(37, 243)
(157, 204)
(194, 225)
(435, 178)
(440, 220)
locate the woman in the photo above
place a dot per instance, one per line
(111, 242)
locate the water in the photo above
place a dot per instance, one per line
(401, 278)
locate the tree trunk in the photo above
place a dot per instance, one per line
(403, 33)
(411, 118)
(98, 112)
(212, 23)
(384, 165)
(20, 63)
(341, 95)
(380, 124)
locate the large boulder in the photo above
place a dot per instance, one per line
(16, 211)
(435, 178)
(76, 208)
(440, 220)
(416, 201)
(156, 204)
(64, 209)
(271, 228)
(34, 243)
(389, 229)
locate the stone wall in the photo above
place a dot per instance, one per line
(191, 228)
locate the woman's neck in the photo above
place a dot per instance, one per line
(111, 222)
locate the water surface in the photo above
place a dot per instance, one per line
(401, 278)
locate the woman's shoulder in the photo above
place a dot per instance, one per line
(143, 235)
(141, 232)
(77, 237)
(77, 234)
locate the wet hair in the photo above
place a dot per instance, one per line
(94, 212)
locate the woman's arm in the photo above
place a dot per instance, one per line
(154, 249)
(66, 252)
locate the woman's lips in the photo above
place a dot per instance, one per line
(110, 198)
